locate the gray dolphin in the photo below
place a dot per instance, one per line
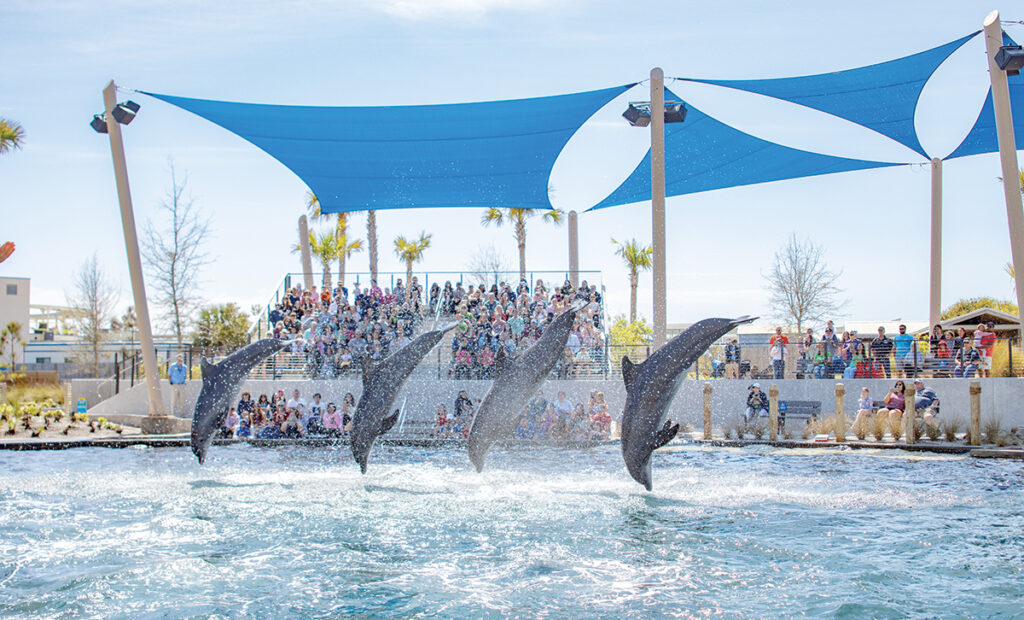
(650, 387)
(221, 382)
(381, 384)
(515, 380)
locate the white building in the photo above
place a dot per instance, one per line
(14, 306)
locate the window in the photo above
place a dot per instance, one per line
(43, 360)
(12, 289)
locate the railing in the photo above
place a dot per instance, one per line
(386, 279)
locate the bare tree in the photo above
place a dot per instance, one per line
(488, 264)
(801, 287)
(175, 256)
(92, 301)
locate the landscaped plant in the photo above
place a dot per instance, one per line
(896, 428)
(881, 421)
(950, 428)
(992, 429)
(933, 431)
(759, 428)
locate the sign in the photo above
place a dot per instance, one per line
(783, 405)
(81, 405)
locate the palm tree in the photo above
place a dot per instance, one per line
(637, 258)
(326, 247)
(10, 334)
(341, 231)
(518, 217)
(11, 135)
(411, 252)
(371, 242)
(6, 250)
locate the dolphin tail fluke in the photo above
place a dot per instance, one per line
(665, 435)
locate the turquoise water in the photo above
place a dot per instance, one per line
(297, 532)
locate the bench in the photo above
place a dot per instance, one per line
(802, 409)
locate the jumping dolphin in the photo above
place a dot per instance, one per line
(650, 387)
(220, 384)
(515, 380)
(381, 384)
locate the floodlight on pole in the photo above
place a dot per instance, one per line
(124, 113)
(1010, 58)
(99, 123)
(641, 114)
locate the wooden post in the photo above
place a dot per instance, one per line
(773, 412)
(935, 281)
(909, 413)
(307, 259)
(974, 432)
(840, 412)
(707, 410)
(574, 249)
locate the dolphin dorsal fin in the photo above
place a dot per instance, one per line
(628, 371)
(206, 368)
(666, 434)
(388, 422)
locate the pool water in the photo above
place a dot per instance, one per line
(298, 532)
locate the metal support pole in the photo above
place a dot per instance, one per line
(1007, 150)
(131, 242)
(935, 289)
(574, 249)
(307, 259)
(658, 204)
(707, 411)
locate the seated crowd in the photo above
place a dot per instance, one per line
(335, 333)
(279, 416)
(558, 419)
(503, 319)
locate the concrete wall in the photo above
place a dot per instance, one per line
(999, 396)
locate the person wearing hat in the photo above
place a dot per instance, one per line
(176, 375)
(757, 404)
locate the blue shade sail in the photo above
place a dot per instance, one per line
(488, 154)
(982, 136)
(882, 97)
(703, 154)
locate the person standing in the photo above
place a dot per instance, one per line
(777, 352)
(903, 343)
(732, 359)
(985, 343)
(176, 375)
(881, 347)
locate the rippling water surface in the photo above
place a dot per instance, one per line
(542, 532)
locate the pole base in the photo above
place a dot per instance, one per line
(159, 425)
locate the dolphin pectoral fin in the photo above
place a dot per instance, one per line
(666, 434)
(628, 371)
(388, 422)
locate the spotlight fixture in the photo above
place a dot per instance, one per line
(99, 123)
(675, 112)
(638, 114)
(1010, 58)
(125, 112)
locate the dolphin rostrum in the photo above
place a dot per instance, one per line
(515, 380)
(650, 387)
(221, 382)
(381, 384)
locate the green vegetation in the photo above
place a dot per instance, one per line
(517, 218)
(12, 136)
(637, 258)
(964, 306)
(411, 251)
(222, 326)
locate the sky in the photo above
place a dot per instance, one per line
(59, 204)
